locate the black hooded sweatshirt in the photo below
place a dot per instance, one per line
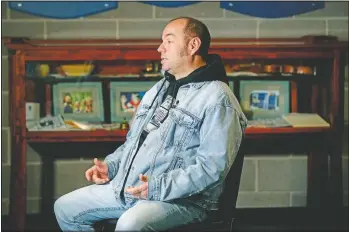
(213, 70)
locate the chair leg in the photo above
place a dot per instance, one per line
(231, 224)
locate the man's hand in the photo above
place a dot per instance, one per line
(98, 173)
(141, 191)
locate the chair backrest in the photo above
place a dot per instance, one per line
(228, 198)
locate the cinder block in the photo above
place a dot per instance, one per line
(4, 10)
(338, 28)
(5, 181)
(131, 10)
(282, 175)
(70, 176)
(33, 206)
(291, 28)
(4, 49)
(198, 10)
(338, 24)
(32, 155)
(33, 30)
(260, 200)
(247, 182)
(81, 29)
(5, 145)
(228, 28)
(5, 207)
(4, 74)
(143, 29)
(236, 15)
(341, 34)
(5, 119)
(298, 199)
(34, 180)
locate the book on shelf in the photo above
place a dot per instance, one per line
(268, 123)
(305, 120)
(156, 74)
(296, 120)
(47, 123)
(131, 75)
(91, 126)
(81, 125)
(57, 123)
(242, 73)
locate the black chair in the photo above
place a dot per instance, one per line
(218, 220)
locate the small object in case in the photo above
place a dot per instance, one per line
(32, 111)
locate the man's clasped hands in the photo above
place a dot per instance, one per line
(98, 174)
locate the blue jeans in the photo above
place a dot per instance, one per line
(80, 209)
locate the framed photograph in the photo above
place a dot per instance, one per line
(231, 85)
(265, 99)
(125, 98)
(79, 101)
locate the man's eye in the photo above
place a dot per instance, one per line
(169, 41)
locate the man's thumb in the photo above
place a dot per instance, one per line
(97, 162)
(143, 178)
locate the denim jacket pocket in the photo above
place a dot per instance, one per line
(177, 162)
(138, 120)
(181, 127)
(184, 118)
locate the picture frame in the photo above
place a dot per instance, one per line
(265, 99)
(125, 97)
(231, 86)
(82, 101)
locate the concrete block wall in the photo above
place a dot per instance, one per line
(267, 181)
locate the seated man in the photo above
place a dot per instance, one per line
(184, 138)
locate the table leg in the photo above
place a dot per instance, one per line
(47, 185)
(18, 186)
(317, 179)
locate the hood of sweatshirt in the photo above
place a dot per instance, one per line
(212, 71)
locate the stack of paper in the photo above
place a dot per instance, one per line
(305, 120)
(83, 125)
(269, 123)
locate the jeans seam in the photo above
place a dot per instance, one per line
(89, 211)
(159, 219)
(169, 213)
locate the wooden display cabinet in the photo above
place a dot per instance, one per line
(319, 91)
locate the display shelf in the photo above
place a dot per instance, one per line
(93, 78)
(120, 135)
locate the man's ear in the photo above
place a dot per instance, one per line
(194, 45)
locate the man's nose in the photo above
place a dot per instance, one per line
(160, 48)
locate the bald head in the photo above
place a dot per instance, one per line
(181, 48)
(195, 28)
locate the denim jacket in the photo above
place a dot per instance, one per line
(191, 152)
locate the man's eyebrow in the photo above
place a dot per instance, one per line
(169, 34)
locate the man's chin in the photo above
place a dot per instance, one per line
(165, 69)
